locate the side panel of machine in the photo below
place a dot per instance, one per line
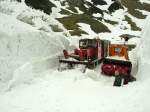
(105, 48)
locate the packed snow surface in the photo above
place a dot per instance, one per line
(71, 91)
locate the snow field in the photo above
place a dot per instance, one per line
(71, 91)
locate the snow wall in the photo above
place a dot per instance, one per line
(144, 52)
(24, 50)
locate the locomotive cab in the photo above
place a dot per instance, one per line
(88, 49)
(88, 43)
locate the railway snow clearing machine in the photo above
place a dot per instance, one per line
(117, 60)
(90, 53)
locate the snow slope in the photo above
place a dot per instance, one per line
(144, 52)
(27, 43)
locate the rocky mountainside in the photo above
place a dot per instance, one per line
(101, 15)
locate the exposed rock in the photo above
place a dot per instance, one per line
(93, 9)
(44, 5)
(134, 5)
(56, 28)
(75, 2)
(18, 0)
(70, 23)
(99, 2)
(132, 24)
(45, 29)
(115, 6)
(26, 19)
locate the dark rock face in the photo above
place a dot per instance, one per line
(115, 6)
(133, 5)
(95, 10)
(44, 5)
(18, 0)
(99, 2)
(75, 2)
(70, 23)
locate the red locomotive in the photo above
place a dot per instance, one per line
(90, 53)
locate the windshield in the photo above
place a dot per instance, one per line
(83, 44)
(88, 43)
(118, 50)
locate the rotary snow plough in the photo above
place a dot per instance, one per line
(117, 60)
(92, 52)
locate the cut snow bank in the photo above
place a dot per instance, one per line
(24, 49)
(144, 52)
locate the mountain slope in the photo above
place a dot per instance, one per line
(101, 15)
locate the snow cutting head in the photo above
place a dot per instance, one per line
(117, 60)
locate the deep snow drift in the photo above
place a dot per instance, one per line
(144, 52)
(21, 43)
(27, 43)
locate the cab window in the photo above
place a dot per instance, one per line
(118, 50)
(83, 44)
